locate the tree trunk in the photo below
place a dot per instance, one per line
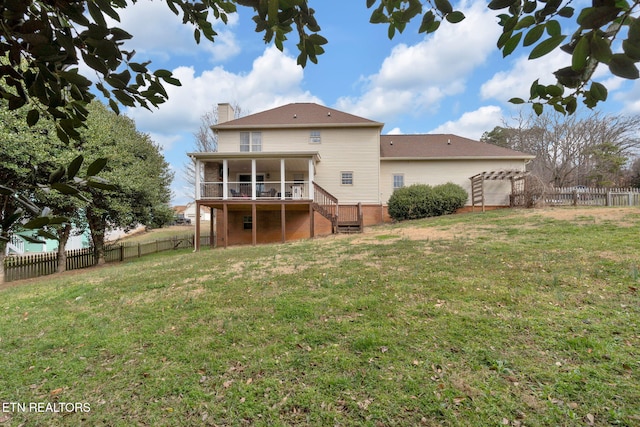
(63, 237)
(3, 247)
(97, 227)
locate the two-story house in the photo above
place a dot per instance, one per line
(303, 170)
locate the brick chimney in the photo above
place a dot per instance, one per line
(225, 112)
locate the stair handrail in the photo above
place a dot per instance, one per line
(323, 199)
(16, 244)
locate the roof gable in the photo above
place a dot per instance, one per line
(299, 115)
(441, 146)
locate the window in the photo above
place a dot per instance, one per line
(398, 181)
(247, 222)
(245, 143)
(346, 178)
(250, 141)
(314, 137)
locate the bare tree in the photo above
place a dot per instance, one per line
(572, 150)
(633, 174)
(206, 141)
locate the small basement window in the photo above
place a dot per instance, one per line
(247, 222)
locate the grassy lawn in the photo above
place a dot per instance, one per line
(505, 318)
(164, 233)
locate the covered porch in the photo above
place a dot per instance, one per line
(259, 196)
(255, 176)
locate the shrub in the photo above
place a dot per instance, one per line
(451, 197)
(421, 201)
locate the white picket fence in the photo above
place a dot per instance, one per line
(584, 196)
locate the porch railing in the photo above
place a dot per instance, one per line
(325, 203)
(265, 190)
(16, 245)
(350, 213)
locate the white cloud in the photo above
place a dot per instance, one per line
(274, 80)
(517, 81)
(416, 78)
(630, 98)
(395, 131)
(165, 36)
(474, 123)
(165, 142)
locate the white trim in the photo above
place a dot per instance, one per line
(282, 178)
(253, 179)
(197, 171)
(225, 179)
(422, 159)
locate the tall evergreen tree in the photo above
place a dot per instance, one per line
(135, 166)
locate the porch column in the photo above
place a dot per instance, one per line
(282, 178)
(196, 237)
(198, 190)
(283, 222)
(311, 170)
(253, 180)
(312, 222)
(225, 179)
(254, 225)
(225, 225)
(211, 227)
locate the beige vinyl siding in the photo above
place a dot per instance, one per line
(355, 149)
(350, 150)
(435, 172)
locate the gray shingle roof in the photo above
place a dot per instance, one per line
(441, 146)
(299, 114)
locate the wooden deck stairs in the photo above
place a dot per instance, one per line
(344, 218)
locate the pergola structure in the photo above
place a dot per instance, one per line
(516, 177)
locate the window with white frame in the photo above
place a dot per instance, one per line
(314, 137)
(346, 178)
(398, 181)
(250, 141)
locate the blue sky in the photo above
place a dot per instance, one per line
(453, 81)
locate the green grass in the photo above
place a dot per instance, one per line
(516, 319)
(164, 233)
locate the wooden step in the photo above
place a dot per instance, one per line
(348, 228)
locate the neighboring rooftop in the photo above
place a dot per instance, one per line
(441, 146)
(299, 114)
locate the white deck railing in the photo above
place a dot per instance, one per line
(266, 190)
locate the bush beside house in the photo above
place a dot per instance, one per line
(421, 201)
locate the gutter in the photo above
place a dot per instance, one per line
(390, 159)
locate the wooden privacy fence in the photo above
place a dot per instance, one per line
(17, 267)
(584, 196)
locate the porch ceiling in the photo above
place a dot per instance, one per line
(244, 165)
